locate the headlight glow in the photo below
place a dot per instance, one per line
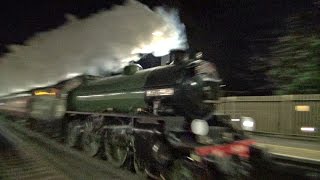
(247, 123)
(199, 127)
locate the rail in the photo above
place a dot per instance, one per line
(69, 163)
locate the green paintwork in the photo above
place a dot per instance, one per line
(123, 93)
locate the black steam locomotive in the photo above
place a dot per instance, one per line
(162, 120)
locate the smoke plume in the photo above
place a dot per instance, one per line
(107, 40)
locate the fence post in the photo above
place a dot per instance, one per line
(286, 115)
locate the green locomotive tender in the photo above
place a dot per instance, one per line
(160, 119)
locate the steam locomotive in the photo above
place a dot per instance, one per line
(159, 121)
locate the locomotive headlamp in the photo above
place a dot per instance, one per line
(160, 92)
(199, 127)
(247, 123)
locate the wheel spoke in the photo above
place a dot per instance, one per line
(116, 153)
(91, 140)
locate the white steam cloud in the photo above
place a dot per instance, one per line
(107, 40)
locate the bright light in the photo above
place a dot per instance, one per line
(44, 93)
(248, 123)
(71, 75)
(193, 83)
(157, 33)
(308, 129)
(235, 120)
(199, 127)
(160, 92)
(302, 108)
(162, 42)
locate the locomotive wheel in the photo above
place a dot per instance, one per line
(116, 149)
(90, 141)
(180, 171)
(73, 134)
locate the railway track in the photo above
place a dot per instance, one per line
(25, 154)
(17, 165)
(18, 160)
(29, 155)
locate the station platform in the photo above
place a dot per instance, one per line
(291, 148)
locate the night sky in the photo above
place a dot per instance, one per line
(234, 34)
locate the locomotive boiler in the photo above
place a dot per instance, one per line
(186, 88)
(161, 121)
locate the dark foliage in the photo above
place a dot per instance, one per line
(295, 57)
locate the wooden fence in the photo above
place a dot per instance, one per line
(287, 114)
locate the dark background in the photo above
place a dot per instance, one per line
(234, 34)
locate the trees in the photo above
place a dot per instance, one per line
(295, 61)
